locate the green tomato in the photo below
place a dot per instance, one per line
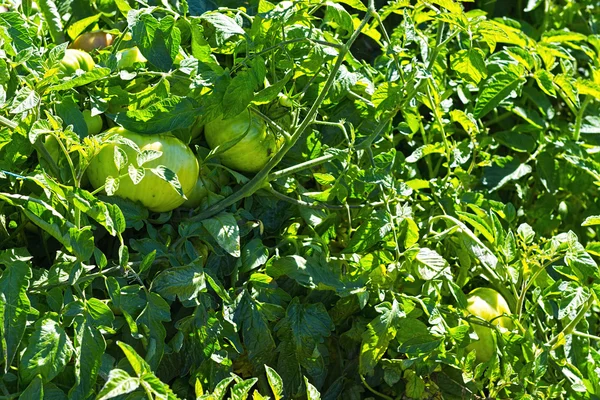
(152, 191)
(487, 304)
(94, 124)
(256, 143)
(74, 60)
(92, 41)
(128, 58)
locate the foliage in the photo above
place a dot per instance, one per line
(429, 148)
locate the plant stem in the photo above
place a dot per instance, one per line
(571, 326)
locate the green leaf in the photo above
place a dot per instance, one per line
(77, 28)
(185, 282)
(53, 20)
(157, 40)
(90, 347)
(77, 241)
(378, 335)
(429, 264)
(356, 4)
(168, 176)
(312, 273)
(238, 95)
(338, 18)
(470, 65)
(254, 255)
(119, 383)
(35, 390)
(545, 80)
(591, 220)
(16, 27)
(495, 90)
(415, 386)
(370, 232)
(139, 365)
(241, 390)
(151, 320)
(225, 27)
(478, 223)
(14, 303)
(311, 392)
(255, 331)
(25, 100)
(556, 36)
(587, 87)
(80, 80)
(301, 333)
(162, 116)
(573, 298)
(48, 351)
(275, 383)
(224, 229)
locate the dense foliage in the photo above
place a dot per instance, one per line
(424, 149)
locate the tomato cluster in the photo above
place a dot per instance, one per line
(243, 143)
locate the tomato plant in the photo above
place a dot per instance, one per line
(385, 199)
(246, 141)
(158, 173)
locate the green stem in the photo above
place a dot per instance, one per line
(261, 177)
(521, 299)
(579, 118)
(383, 396)
(571, 326)
(302, 166)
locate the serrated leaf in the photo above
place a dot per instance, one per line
(184, 282)
(470, 65)
(495, 90)
(14, 303)
(53, 20)
(120, 158)
(152, 319)
(224, 229)
(275, 382)
(378, 335)
(48, 351)
(169, 176)
(80, 80)
(545, 80)
(429, 264)
(135, 174)
(148, 155)
(119, 383)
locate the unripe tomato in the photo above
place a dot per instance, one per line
(128, 58)
(253, 151)
(74, 60)
(488, 304)
(152, 191)
(92, 41)
(94, 124)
